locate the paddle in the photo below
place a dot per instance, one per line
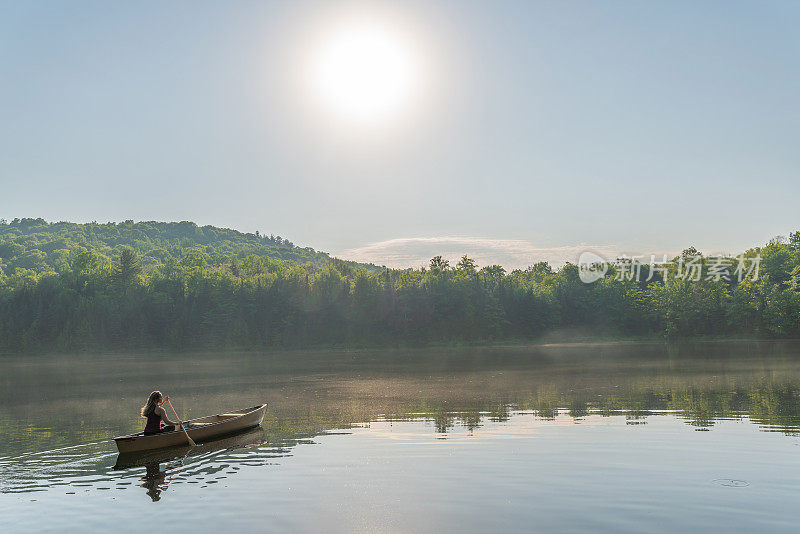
(191, 441)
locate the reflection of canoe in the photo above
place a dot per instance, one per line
(202, 429)
(243, 438)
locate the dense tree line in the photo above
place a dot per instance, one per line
(193, 298)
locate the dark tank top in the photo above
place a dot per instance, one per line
(153, 425)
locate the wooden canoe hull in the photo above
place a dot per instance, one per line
(237, 440)
(207, 429)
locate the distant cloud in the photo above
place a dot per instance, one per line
(510, 253)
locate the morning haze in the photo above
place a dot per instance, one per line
(399, 267)
(639, 128)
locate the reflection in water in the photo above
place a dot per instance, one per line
(97, 467)
(61, 401)
(88, 467)
(313, 394)
(153, 479)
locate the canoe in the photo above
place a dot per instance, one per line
(200, 430)
(237, 440)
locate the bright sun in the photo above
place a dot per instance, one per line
(365, 74)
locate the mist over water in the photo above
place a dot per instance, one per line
(611, 435)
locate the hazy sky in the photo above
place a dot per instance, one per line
(532, 130)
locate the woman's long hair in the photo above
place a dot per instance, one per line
(152, 402)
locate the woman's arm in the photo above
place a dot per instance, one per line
(163, 413)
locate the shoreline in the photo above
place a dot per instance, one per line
(415, 348)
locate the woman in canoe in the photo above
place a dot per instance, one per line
(155, 414)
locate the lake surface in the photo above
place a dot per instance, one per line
(570, 438)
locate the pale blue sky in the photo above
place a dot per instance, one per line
(626, 126)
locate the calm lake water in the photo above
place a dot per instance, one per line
(568, 438)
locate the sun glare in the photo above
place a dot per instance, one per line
(365, 74)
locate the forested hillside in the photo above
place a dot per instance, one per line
(41, 246)
(103, 287)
